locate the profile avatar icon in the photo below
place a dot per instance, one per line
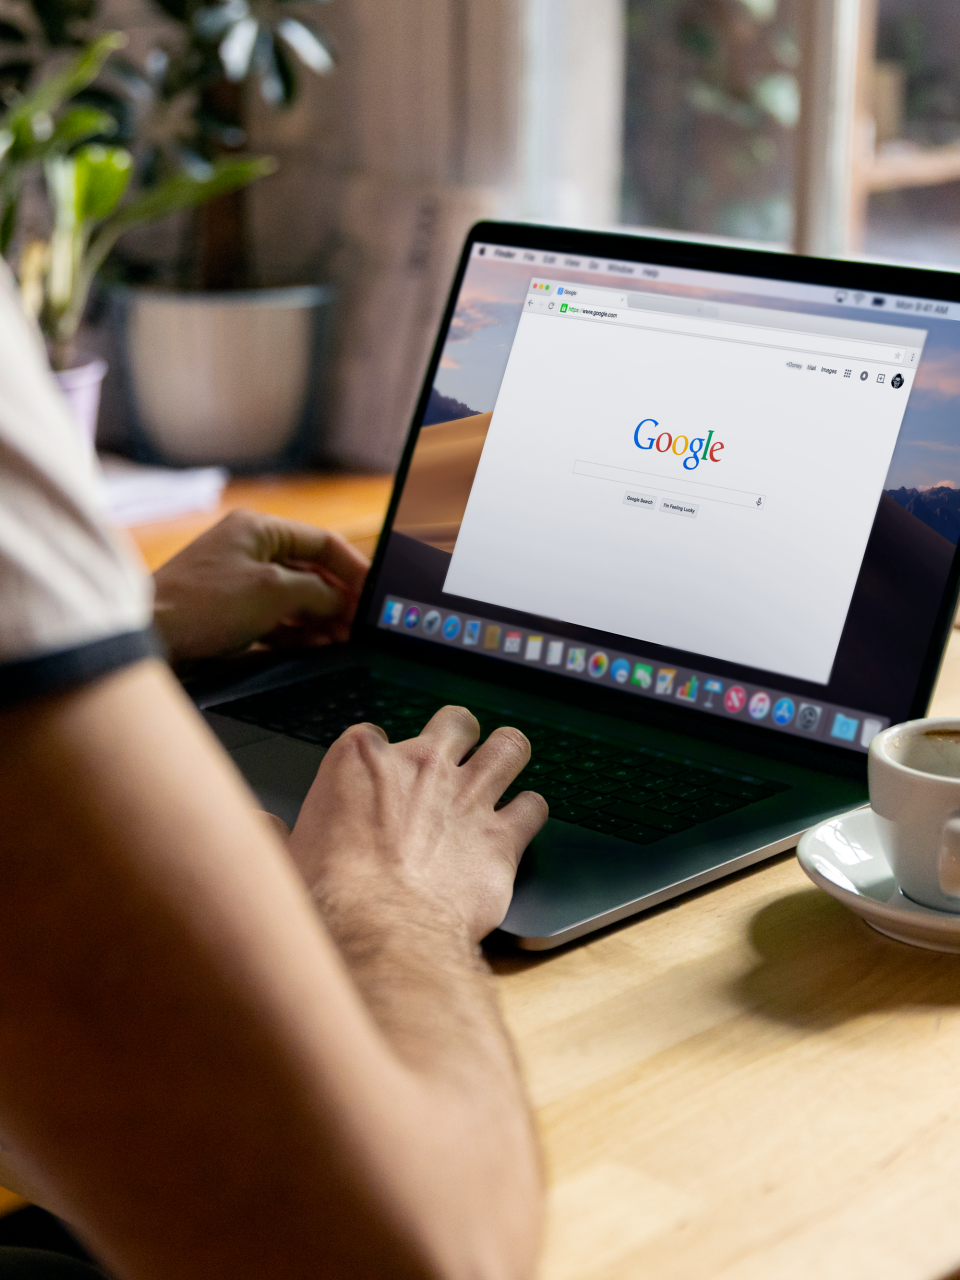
(897, 381)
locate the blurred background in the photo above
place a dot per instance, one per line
(824, 126)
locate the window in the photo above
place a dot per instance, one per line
(711, 108)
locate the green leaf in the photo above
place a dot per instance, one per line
(102, 177)
(183, 191)
(122, 131)
(79, 124)
(8, 220)
(55, 90)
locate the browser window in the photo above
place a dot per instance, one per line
(657, 471)
(738, 494)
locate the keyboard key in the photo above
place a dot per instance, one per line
(566, 774)
(569, 813)
(647, 817)
(602, 785)
(592, 764)
(553, 791)
(537, 768)
(636, 795)
(664, 804)
(694, 778)
(652, 782)
(665, 768)
(604, 822)
(621, 772)
(683, 791)
(706, 810)
(591, 800)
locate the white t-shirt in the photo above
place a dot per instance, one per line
(74, 601)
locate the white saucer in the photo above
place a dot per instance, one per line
(844, 857)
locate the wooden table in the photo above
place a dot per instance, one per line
(353, 505)
(747, 1084)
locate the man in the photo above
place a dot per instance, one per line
(222, 1055)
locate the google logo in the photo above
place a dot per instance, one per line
(697, 451)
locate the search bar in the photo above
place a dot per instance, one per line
(682, 488)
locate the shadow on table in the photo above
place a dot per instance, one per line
(822, 966)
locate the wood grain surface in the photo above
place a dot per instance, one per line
(352, 505)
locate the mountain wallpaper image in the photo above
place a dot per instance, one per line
(938, 508)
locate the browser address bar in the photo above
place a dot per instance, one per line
(822, 345)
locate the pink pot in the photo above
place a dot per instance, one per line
(81, 388)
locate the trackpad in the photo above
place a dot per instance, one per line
(280, 771)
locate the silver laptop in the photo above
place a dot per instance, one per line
(686, 515)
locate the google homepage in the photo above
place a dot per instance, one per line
(704, 481)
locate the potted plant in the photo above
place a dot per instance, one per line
(86, 184)
(217, 370)
(248, 360)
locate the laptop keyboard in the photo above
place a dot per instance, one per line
(635, 793)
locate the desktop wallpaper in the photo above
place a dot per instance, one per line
(924, 476)
(915, 534)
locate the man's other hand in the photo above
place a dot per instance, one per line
(411, 827)
(257, 577)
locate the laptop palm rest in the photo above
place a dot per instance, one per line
(279, 770)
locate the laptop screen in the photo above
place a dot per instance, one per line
(733, 493)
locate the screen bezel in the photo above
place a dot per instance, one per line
(759, 263)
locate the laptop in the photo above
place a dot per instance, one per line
(688, 516)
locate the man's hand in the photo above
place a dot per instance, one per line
(257, 577)
(410, 828)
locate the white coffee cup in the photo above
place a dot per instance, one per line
(914, 772)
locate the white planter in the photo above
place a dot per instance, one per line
(81, 388)
(229, 378)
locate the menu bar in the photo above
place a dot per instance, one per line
(845, 299)
(732, 699)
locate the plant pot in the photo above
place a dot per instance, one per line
(227, 378)
(81, 389)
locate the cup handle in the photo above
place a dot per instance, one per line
(948, 864)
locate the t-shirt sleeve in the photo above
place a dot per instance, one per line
(75, 602)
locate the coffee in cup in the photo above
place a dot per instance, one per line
(914, 772)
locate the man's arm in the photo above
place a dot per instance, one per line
(188, 1067)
